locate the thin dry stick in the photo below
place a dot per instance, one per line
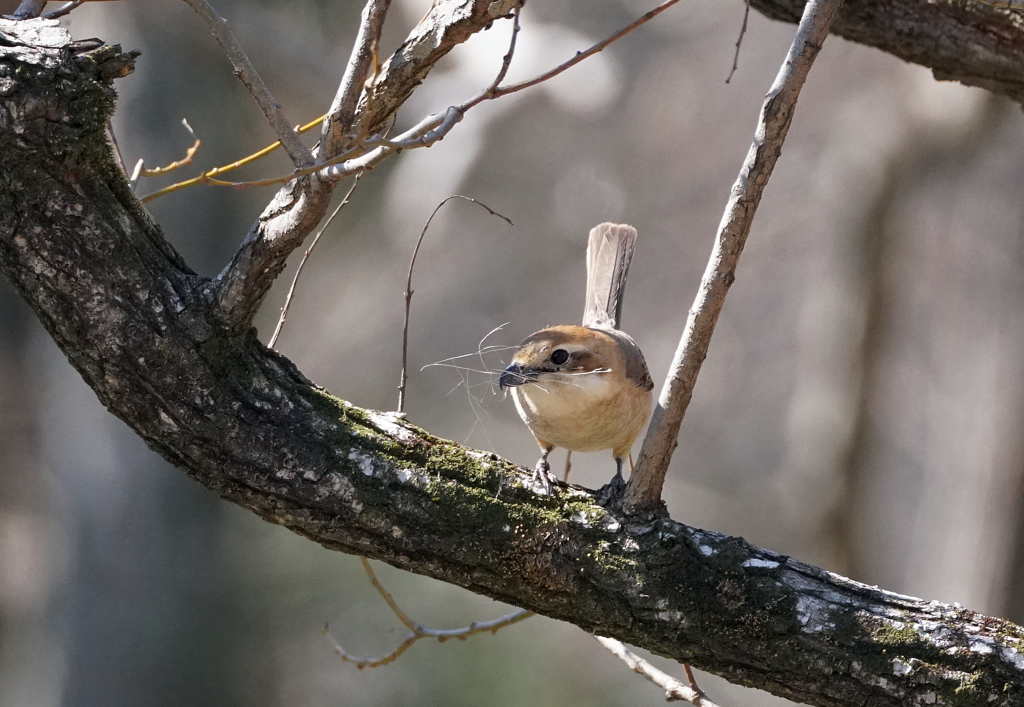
(739, 41)
(674, 690)
(408, 289)
(580, 56)
(246, 72)
(186, 160)
(643, 492)
(302, 263)
(420, 632)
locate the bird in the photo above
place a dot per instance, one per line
(586, 388)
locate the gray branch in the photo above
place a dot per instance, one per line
(135, 322)
(246, 72)
(341, 119)
(644, 488)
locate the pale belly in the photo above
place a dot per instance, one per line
(584, 414)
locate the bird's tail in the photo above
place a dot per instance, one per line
(609, 251)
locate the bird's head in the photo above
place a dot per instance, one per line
(561, 351)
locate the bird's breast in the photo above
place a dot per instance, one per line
(584, 412)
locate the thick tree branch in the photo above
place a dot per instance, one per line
(977, 43)
(643, 492)
(141, 329)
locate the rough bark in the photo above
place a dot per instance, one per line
(976, 43)
(145, 333)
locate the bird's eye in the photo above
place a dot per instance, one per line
(559, 356)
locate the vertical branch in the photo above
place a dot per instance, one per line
(341, 117)
(644, 489)
(404, 377)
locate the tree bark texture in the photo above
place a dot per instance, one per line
(976, 43)
(143, 330)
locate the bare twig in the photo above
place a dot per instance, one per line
(408, 288)
(246, 72)
(208, 177)
(498, 92)
(674, 690)
(340, 120)
(186, 160)
(302, 263)
(418, 632)
(434, 127)
(643, 492)
(63, 9)
(739, 41)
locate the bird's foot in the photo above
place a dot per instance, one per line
(612, 492)
(541, 480)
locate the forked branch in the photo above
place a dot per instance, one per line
(674, 689)
(300, 204)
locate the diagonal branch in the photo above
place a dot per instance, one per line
(674, 690)
(643, 492)
(246, 72)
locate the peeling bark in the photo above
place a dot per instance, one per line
(144, 331)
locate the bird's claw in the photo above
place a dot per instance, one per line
(541, 480)
(612, 492)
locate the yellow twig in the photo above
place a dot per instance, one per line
(207, 177)
(186, 160)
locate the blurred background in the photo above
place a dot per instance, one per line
(861, 408)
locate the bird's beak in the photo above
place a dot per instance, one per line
(516, 375)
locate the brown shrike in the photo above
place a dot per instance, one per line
(586, 388)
